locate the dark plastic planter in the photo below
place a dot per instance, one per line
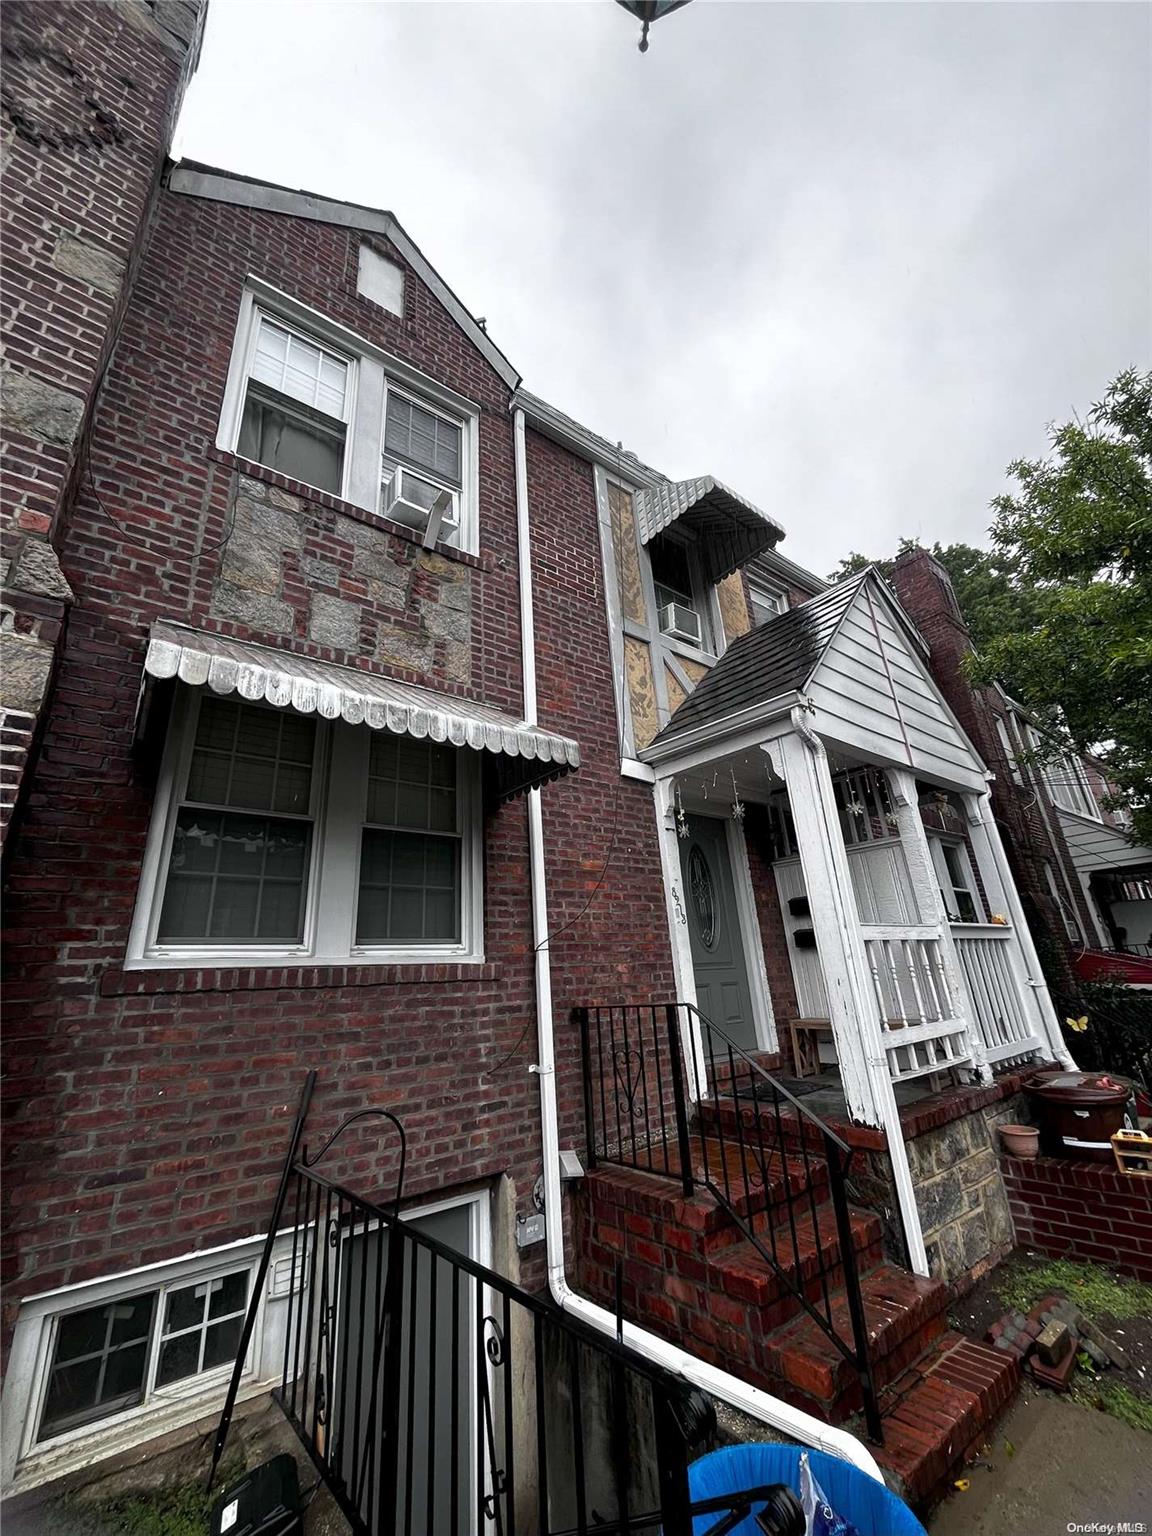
(1077, 1112)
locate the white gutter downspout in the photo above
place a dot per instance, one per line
(787, 1420)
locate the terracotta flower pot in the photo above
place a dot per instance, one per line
(1020, 1140)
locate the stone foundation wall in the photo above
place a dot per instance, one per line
(960, 1191)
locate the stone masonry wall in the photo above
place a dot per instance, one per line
(960, 1191)
(90, 93)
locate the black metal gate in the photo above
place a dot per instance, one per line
(435, 1396)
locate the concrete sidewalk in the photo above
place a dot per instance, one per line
(1072, 1466)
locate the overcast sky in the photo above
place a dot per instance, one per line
(850, 258)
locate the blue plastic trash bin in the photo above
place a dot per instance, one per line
(852, 1493)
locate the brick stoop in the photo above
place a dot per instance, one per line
(940, 1412)
(687, 1272)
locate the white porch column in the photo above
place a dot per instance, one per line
(995, 872)
(800, 760)
(669, 841)
(930, 905)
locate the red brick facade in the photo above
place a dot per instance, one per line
(1085, 1211)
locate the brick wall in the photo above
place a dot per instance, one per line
(89, 99)
(1081, 1210)
(1028, 825)
(147, 1111)
(606, 894)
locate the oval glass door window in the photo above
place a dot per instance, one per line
(703, 896)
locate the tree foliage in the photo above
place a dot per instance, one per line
(1060, 608)
(992, 604)
(1076, 535)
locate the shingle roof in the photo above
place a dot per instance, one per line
(778, 657)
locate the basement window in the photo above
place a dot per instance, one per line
(120, 1353)
(296, 400)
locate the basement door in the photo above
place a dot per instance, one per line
(436, 1382)
(719, 963)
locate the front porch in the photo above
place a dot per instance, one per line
(858, 914)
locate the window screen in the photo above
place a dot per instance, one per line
(410, 857)
(240, 851)
(420, 437)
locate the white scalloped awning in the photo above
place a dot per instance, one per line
(730, 529)
(525, 755)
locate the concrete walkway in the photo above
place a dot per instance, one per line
(1072, 1466)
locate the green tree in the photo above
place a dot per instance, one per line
(1076, 537)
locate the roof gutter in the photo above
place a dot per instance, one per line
(782, 1417)
(714, 732)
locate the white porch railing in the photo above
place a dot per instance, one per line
(922, 1029)
(1001, 1011)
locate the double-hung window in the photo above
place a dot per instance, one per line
(122, 1352)
(297, 401)
(767, 603)
(957, 882)
(316, 402)
(281, 837)
(423, 469)
(681, 605)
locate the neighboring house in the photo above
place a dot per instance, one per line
(1086, 886)
(344, 596)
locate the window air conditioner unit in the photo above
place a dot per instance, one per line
(681, 622)
(419, 504)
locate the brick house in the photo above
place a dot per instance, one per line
(343, 596)
(1086, 886)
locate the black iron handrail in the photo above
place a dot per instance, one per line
(740, 1134)
(435, 1397)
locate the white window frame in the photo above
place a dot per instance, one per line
(34, 1342)
(258, 313)
(765, 594)
(417, 470)
(372, 372)
(1004, 731)
(1068, 785)
(339, 798)
(936, 845)
(705, 603)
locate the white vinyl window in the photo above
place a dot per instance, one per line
(767, 603)
(682, 608)
(296, 406)
(423, 469)
(123, 1351)
(279, 836)
(957, 882)
(1068, 784)
(1004, 731)
(309, 398)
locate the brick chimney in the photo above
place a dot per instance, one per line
(926, 593)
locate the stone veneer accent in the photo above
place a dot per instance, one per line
(292, 567)
(960, 1191)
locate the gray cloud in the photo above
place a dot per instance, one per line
(850, 258)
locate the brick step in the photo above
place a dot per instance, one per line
(938, 1414)
(904, 1315)
(810, 1259)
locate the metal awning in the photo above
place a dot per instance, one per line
(525, 755)
(730, 529)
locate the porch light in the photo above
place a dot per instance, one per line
(649, 11)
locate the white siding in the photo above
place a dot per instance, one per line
(873, 693)
(1095, 845)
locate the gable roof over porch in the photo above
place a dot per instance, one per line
(855, 657)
